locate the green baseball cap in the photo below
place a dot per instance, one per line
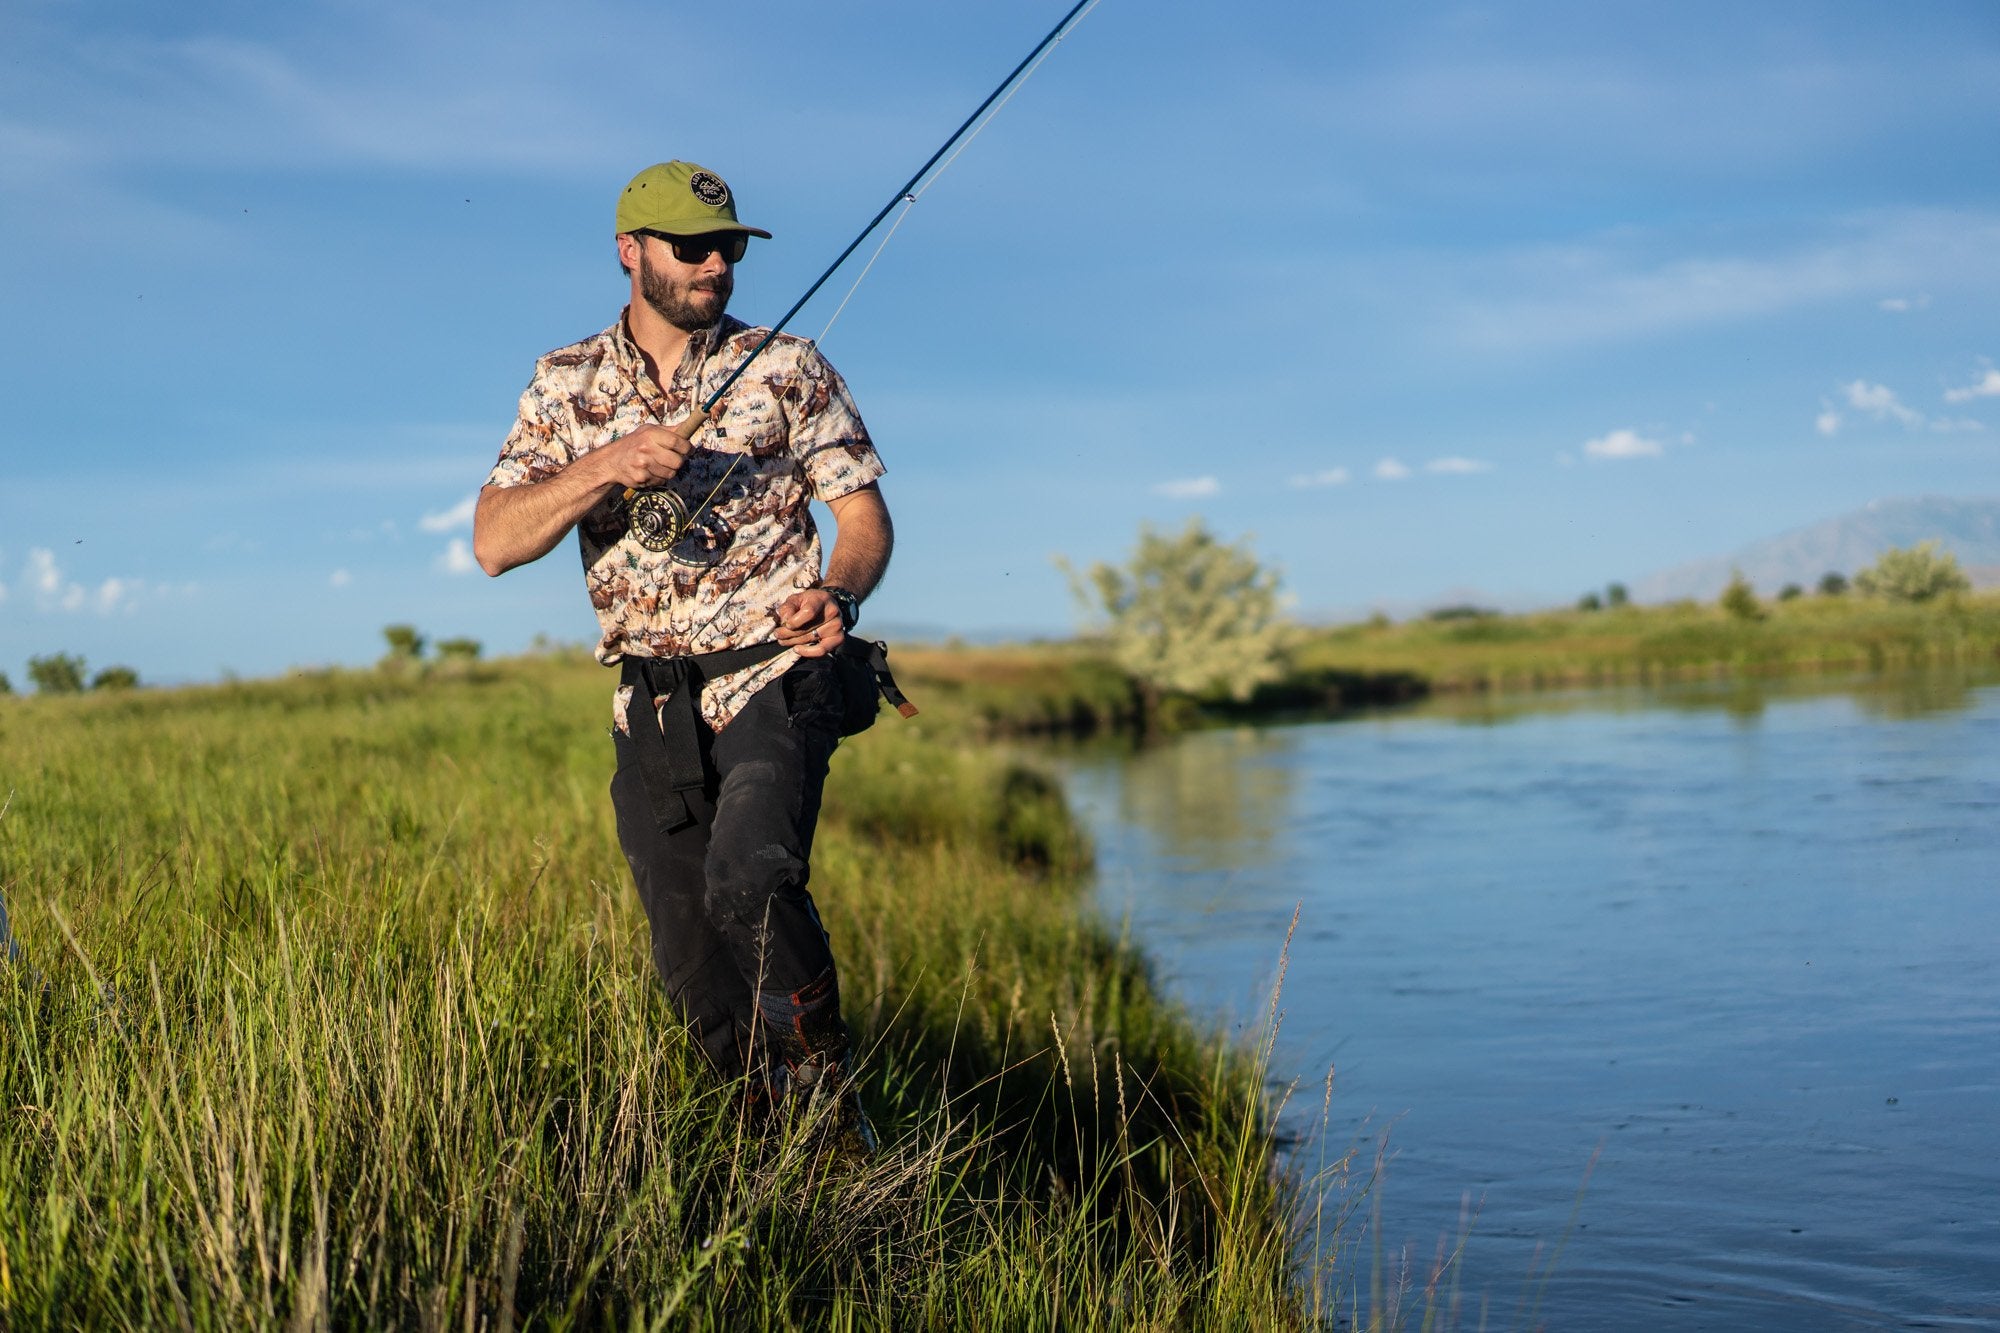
(680, 199)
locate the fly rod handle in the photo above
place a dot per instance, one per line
(685, 428)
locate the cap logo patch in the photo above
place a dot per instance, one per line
(709, 189)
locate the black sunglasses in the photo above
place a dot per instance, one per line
(696, 249)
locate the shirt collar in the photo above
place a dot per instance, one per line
(701, 344)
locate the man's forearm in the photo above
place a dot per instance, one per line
(516, 524)
(863, 538)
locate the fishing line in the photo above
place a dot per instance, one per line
(910, 200)
(1054, 33)
(659, 517)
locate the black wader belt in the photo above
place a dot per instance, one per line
(670, 753)
(878, 662)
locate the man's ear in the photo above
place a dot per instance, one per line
(628, 252)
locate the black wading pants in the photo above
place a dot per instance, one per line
(736, 939)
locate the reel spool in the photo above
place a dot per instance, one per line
(657, 519)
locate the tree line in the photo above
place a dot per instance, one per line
(1185, 614)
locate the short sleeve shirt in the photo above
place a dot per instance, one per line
(786, 434)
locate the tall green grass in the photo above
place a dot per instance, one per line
(1664, 642)
(334, 1011)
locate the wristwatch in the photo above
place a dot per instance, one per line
(849, 604)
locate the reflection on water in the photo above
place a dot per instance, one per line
(1737, 935)
(1918, 695)
(1919, 692)
(1216, 803)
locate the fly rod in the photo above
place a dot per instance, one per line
(693, 422)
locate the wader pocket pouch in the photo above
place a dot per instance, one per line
(860, 696)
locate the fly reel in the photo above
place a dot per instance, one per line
(657, 519)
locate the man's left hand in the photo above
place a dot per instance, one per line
(809, 623)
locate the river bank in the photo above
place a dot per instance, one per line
(1470, 650)
(1071, 688)
(333, 1006)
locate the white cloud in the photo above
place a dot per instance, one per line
(42, 574)
(1333, 476)
(55, 592)
(457, 558)
(1390, 469)
(1622, 444)
(1880, 402)
(1902, 305)
(1457, 466)
(340, 578)
(1189, 488)
(449, 520)
(203, 100)
(1613, 287)
(1986, 386)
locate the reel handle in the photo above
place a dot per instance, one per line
(685, 428)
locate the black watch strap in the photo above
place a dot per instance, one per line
(849, 604)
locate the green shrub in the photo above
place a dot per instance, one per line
(58, 673)
(459, 650)
(1189, 614)
(1833, 583)
(1916, 574)
(405, 644)
(1739, 599)
(115, 678)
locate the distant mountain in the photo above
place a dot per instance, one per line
(1970, 529)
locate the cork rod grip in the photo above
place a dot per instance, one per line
(685, 428)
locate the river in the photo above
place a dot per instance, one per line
(1680, 1007)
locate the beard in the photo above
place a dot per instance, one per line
(688, 306)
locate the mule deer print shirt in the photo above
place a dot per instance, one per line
(786, 434)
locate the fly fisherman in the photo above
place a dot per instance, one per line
(703, 563)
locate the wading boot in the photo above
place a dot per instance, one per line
(805, 1032)
(826, 1095)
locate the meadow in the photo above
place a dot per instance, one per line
(333, 1010)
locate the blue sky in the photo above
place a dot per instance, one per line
(1434, 302)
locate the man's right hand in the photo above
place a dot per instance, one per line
(516, 524)
(643, 459)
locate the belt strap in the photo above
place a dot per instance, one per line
(878, 662)
(670, 752)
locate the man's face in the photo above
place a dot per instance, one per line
(688, 296)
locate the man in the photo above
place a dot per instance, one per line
(703, 563)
